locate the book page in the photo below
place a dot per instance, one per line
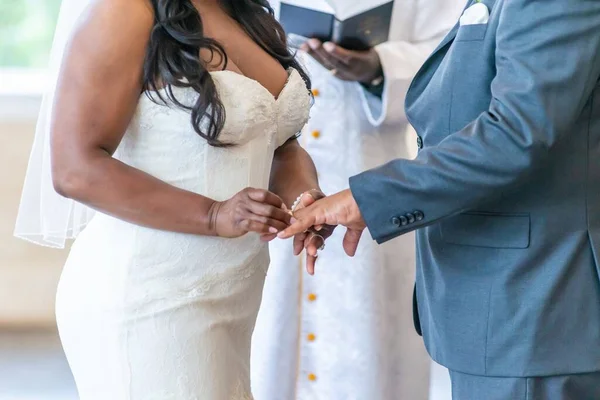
(344, 9)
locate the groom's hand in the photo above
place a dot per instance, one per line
(338, 209)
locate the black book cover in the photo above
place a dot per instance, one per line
(359, 32)
(306, 22)
(364, 30)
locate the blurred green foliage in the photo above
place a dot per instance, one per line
(26, 32)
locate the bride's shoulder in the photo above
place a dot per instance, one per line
(113, 25)
(131, 5)
(123, 13)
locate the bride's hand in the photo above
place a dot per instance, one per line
(250, 210)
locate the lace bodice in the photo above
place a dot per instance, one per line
(161, 141)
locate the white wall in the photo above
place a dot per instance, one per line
(28, 273)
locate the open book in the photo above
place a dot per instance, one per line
(353, 24)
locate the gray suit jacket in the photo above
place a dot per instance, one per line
(505, 191)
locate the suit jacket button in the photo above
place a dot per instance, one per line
(403, 220)
(411, 218)
(419, 216)
(419, 142)
(396, 221)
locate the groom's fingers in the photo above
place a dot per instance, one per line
(298, 226)
(312, 243)
(351, 240)
(307, 199)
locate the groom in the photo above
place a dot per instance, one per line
(505, 194)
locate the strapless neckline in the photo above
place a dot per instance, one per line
(292, 73)
(244, 99)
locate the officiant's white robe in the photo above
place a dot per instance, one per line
(347, 333)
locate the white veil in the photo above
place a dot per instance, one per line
(45, 217)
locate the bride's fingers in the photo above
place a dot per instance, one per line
(313, 243)
(326, 230)
(299, 243)
(310, 264)
(310, 250)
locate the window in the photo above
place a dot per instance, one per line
(26, 32)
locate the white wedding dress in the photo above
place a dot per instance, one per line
(146, 314)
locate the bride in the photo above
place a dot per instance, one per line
(176, 120)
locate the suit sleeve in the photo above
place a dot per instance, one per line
(547, 63)
(401, 59)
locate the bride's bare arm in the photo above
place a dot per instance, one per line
(97, 93)
(293, 172)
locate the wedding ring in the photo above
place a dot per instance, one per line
(314, 235)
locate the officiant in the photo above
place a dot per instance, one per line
(347, 332)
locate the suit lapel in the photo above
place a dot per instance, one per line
(452, 34)
(432, 63)
(446, 41)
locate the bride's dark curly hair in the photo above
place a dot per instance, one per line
(173, 56)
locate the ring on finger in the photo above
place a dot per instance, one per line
(314, 235)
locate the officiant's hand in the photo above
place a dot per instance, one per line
(338, 209)
(348, 65)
